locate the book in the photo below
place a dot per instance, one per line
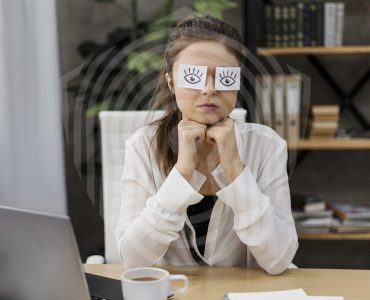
(319, 110)
(293, 25)
(354, 226)
(278, 104)
(327, 213)
(330, 24)
(285, 34)
(339, 23)
(292, 104)
(277, 26)
(268, 25)
(328, 224)
(307, 203)
(350, 211)
(320, 23)
(299, 24)
(313, 19)
(322, 128)
(324, 121)
(307, 25)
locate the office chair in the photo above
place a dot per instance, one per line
(116, 127)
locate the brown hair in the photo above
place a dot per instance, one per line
(190, 30)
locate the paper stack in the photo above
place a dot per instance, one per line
(297, 294)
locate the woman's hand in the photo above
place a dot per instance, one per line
(222, 134)
(190, 136)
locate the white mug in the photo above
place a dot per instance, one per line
(150, 283)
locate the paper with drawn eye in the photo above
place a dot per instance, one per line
(191, 76)
(227, 79)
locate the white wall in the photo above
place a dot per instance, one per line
(31, 149)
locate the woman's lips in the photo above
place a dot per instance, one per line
(207, 107)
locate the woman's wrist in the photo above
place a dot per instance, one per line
(233, 170)
(185, 172)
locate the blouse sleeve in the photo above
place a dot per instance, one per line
(150, 220)
(262, 210)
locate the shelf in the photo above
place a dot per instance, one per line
(313, 50)
(335, 236)
(331, 144)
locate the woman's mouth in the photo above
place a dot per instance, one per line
(207, 107)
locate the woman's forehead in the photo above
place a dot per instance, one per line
(207, 53)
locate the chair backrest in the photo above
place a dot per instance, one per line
(116, 128)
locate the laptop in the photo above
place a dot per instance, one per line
(39, 258)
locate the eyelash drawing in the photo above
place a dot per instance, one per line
(228, 78)
(193, 76)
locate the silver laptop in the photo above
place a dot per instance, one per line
(39, 258)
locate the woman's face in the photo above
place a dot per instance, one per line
(191, 102)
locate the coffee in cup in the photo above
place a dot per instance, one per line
(150, 283)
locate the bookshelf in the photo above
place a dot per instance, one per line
(263, 51)
(335, 236)
(331, 144)
(252, 8)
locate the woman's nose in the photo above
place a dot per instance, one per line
(209, 88)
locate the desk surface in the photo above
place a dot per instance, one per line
(214, 282)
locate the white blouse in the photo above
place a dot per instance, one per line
(251, 224)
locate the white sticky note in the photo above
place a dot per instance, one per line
(227, 79)
(191, 76)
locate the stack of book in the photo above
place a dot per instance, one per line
(312, 215)
(278, 100)
(355, 218)
(324, 121)
(315, 215)
(304, 24)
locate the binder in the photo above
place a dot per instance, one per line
(293, 86)
(263, 93)
(278, 105)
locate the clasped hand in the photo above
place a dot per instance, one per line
(191, 135)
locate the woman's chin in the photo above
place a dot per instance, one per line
(209, 119)
(206, 119)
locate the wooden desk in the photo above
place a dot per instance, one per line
(213, 282)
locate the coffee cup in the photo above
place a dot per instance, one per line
(150, 283)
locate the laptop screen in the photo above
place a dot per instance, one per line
(39, 257)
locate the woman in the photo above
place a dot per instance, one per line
(199, 188)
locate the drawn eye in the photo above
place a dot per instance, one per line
(227, 78)
(192, 76)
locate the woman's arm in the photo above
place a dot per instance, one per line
(149, 221)
(262, 212)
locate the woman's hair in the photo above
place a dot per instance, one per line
(186, 32)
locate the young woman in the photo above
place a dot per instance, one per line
(199, 188)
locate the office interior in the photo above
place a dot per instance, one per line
(88, 30)
(340, 175)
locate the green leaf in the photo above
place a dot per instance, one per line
(95, 109)
(155, 35)
(159, 25)
(214, 8)
(143, 61)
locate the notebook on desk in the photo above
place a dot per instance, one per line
(39, 259)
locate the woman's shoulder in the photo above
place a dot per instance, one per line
(259, 132)
(142, 135)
